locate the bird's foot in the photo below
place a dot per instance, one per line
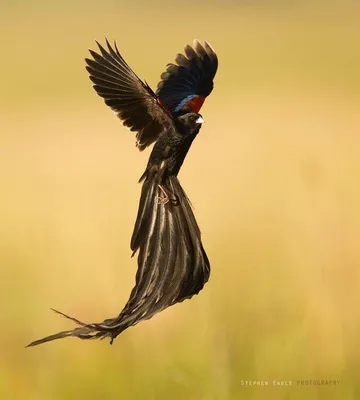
(163, 197)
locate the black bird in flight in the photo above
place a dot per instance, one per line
(172, 263)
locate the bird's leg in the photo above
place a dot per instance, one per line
(163, 196)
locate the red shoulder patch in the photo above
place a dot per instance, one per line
(195, 104)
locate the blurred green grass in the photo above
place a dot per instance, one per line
(273, 178)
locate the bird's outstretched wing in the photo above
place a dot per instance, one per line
(185, 85)
(134, 102)
(172, 263)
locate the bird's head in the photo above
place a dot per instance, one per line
(191, 122)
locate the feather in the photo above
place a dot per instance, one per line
(132, 99)
(191, 76)
(172, 264)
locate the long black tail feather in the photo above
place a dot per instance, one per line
(172, 263)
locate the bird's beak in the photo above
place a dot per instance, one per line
(200, 120)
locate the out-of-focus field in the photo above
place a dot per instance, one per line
(274, 177)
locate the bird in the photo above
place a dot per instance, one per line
(172, 263)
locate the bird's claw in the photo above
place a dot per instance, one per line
(163, 197)
(163, 200)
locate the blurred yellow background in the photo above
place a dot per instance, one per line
(273, 176)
